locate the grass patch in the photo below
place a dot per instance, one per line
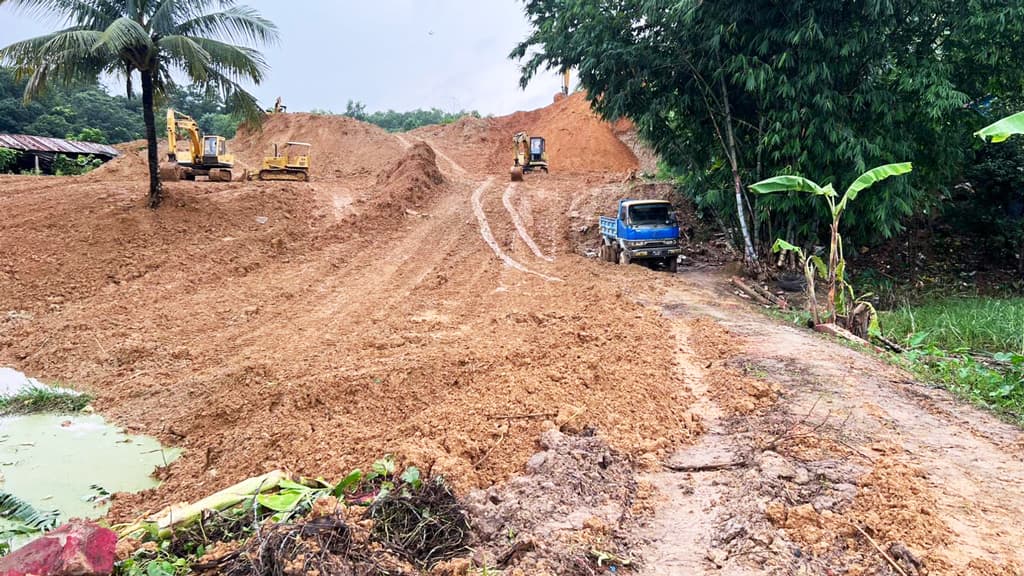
(35, 400)
(974, 347)
(985, 325)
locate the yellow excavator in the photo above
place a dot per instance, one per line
(291, 163)
(206, 155)
(529, 154)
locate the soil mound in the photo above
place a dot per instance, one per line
(577, 139)
(411, 180)
(343, 148)
(130, 165)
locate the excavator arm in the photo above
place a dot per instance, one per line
(175, 122)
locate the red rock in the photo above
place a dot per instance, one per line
(78, 548)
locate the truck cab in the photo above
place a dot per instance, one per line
(643, 231)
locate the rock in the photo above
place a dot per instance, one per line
(536, 462)
(79, 548)
(774, 466)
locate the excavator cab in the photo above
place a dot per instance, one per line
(214, 148)
(537, 154)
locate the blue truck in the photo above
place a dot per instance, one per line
(644, 231)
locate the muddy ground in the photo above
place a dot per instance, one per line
(410, 300)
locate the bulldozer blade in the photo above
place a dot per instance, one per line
(517, 174)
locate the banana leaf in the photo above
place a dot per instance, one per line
(34, 520)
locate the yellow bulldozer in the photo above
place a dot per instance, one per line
(206, 155)
(288, 163)
(529, 154)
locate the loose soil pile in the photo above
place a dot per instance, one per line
(342, 148)
(578, 141)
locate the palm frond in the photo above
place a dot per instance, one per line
(235, 23)
(188, 55)
(123, 36)
(17, 509)
(237, 62)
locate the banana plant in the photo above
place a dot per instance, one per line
(1000, 131)
(841, 297)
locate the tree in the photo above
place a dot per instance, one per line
(734, 91)
(154, 39)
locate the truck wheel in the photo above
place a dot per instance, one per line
(624, 258)
(672, 264)
(602, 253)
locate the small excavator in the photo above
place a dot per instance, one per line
(291, 163)
(206, 155)
(529, 154)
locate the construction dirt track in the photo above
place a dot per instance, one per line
(411, 301)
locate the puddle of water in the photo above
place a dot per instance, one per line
(12, 382)
(53, 460)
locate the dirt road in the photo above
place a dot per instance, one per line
(411, 301)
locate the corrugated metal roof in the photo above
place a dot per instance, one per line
(56, 145)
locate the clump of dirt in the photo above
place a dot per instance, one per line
(893, 506)
(730, 385)
(574, 496)
(410, 181)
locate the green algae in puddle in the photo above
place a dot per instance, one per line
(54, 460)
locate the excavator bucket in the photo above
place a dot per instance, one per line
(517, 173)
(170, 172)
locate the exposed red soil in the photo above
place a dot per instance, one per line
(318, 326)
(410, 301)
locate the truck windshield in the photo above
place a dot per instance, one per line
(649, 215)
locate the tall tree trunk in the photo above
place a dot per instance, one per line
(156, 195)
(748, 246)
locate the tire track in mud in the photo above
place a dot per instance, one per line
(485, 228)
(485, 231)
(506, 199)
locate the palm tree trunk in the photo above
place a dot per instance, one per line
(155, 190)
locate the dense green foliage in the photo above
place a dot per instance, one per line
(824, 88)
(402, 121)
(207, 43)
(86, 112)
(74, 110)
(8, 159)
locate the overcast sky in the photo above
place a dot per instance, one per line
(398, 54)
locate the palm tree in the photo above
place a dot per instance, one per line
(161, 40)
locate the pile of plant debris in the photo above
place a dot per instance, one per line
(379, 523)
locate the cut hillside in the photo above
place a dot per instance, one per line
(578, 141)
(343, 148)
